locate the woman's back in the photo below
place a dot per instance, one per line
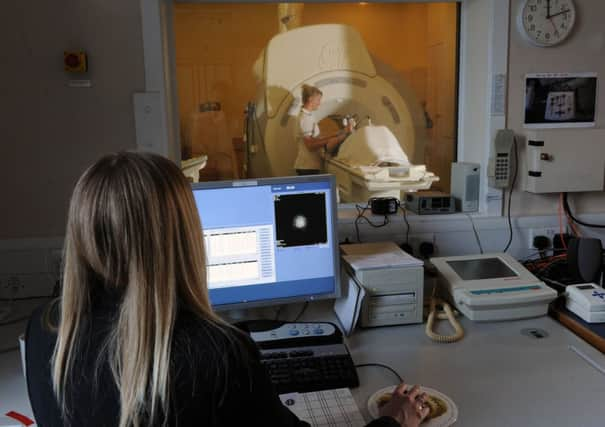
(216, 376)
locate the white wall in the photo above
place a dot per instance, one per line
(583, 51)
(49, 132)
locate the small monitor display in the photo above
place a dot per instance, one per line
(560, 100)
(481, 268)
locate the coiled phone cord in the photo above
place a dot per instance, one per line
(446, 314)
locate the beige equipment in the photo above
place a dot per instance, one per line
(383, 156)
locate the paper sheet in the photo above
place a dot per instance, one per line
(377, 255)
(348, 306)
(384, 260)
(333, 408)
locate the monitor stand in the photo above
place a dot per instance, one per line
(242, 315)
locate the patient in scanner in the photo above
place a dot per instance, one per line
(382, 158)
(309, 142)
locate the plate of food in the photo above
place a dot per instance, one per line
(443, 410)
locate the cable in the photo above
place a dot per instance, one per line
(405, 218)
(560, 210)
(510, 195)
(26, 298)
(576, 220)
(13, 321)
(360, 215)
(305, 305)
(476, 234)
(529, 257)
(573, 227)
(446, 314)
(380, 365)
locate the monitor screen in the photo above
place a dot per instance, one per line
(270, 240)
(558, 100)
(481, 268)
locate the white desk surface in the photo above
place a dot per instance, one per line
(496, 376)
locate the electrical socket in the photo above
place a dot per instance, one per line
(417, 239)
(533, 232)
(10, 286)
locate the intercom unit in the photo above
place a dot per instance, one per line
(465, 186)
(500, 162)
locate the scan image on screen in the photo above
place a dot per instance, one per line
(300, 219)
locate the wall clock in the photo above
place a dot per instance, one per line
(546, 22)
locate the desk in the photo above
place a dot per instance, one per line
(497, 376)
(593, 333)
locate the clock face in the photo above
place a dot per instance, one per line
(546, 22)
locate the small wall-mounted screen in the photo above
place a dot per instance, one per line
(560, 100)
(481, 268)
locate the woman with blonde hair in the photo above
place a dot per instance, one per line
(310, 142)
(133, 340)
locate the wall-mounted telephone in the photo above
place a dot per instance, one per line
(500, 161)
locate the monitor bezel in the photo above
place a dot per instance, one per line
(256, 182)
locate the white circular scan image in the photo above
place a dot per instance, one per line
(300, 222)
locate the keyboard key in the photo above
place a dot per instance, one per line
(301, 373)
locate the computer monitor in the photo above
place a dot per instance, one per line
(269, 241)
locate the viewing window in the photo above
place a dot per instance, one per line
(239, 108)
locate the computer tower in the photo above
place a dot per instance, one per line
(465, 186)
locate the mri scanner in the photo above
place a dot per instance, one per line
(382, 157)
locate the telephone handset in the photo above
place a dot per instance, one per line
(500, 162)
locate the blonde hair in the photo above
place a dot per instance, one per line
(133, 229)
(308, 91)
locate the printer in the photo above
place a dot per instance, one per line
(393, 282)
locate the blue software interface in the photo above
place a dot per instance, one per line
(267, 242)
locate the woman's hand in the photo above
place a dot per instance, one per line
(407, 407)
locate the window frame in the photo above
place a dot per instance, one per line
(483, 60)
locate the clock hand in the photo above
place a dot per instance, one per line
(554, 27)
(560, 13)
(548, 15)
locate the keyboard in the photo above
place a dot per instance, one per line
(313, 368)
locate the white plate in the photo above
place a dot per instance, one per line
(447, 419)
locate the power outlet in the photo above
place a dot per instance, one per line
(10, 286)
(533, 232)
(417, 239)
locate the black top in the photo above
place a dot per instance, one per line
(216, 379)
